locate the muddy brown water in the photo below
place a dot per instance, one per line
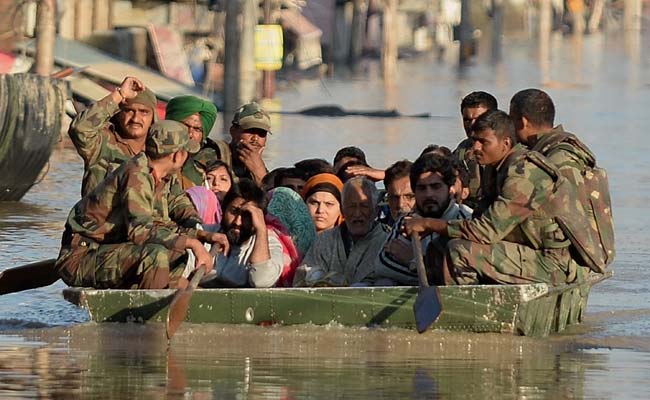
(601, 87)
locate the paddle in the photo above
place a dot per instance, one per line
(427, 307)
(28, 276)
(181, 302)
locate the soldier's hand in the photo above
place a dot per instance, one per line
(130, 87)
(203, 257)
(251, 156)
(220, 240)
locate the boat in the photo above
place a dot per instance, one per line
(532, 310)
(30, 125)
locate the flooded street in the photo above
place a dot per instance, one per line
(601, 89)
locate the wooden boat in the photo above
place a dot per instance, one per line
(30, 125)
(531, 310)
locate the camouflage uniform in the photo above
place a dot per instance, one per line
(465, 156)
(132, 228)
(569, 160)
(516, 240)
(97, 141)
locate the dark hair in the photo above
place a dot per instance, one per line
(461, 171)
(216, 164)
(291, 173)
(398, 170)
(477, 99)
(247, 190)
(313, 166)
(534, 105)
(433, 163)
(344, 176)
(499, 122)
(350, 151)
(270, 179)
(435, 149)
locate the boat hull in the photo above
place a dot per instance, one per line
(531, 310)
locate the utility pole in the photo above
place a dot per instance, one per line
(497, 30)
(268, 77)
(357, 36)
(545, 24)
(248, 72)
(45, 31)
(232, 98)
(389, 42)
(465, 31)
(632, 14)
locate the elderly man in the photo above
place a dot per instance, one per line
(471, 107)
(399, 195)
(432, 179)
(256, 258)
(112, 130)
(199, 116)
(516, 240)
(345, 255)
(134, 227)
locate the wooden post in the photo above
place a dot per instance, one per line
(545, 25)
(45, 31)
(357, 36)
(389, 42)
(232, 98)
(632, 14)
(497, 29)
(596, 15)
(248, 73)
(465, 31)
(268, 77)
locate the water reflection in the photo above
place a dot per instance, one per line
(127, 361)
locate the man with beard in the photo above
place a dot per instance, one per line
(134, 228)
(516, 240)
(345, 254)
(432, 179)
(112, 130)
(255, 258)
(471, 107)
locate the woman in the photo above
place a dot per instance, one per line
(218, 178)
(206, 204)
(322, 193)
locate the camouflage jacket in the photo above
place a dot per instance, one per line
(129, 206)
(467, 161)
(98, 144)
(569, 159)
(520, 212)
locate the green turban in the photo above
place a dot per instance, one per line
(182, 107)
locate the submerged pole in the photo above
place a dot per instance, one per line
(389, 42)
(465, 31)
(232, 99)
(497, 29)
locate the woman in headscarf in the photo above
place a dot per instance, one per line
(199, 116)
(206, 204)
(322, 193)
(288, 217)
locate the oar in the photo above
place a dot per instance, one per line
(427, 307)
(181, 302)
(28, 276)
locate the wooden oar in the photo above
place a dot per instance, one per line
(181, 302)
(427, 307)
(28, 276)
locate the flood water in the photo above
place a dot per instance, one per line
(601, 88)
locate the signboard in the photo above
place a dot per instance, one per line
(268, 47)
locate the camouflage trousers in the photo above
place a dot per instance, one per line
(470, 263)
(120, 266)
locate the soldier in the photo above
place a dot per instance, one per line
(471, 107)
(199, 116)
(112, 130)
(249, 129)
(516, 240)
(133, 228)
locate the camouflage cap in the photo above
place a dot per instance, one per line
(251, 116)
(166, 137)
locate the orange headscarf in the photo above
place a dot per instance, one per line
(325, 182)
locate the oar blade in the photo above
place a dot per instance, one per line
(181, 303)
(427, 307)
(28, 276)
